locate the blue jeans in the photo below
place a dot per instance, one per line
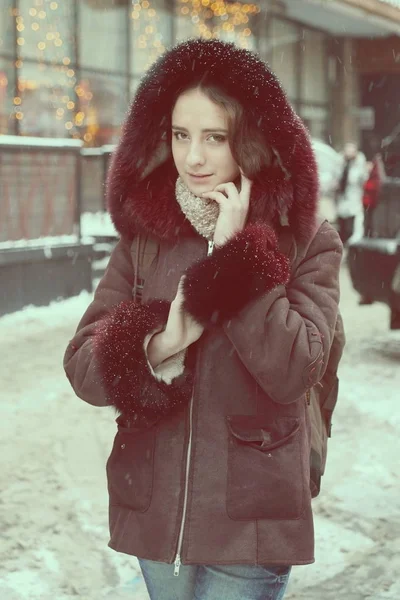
(220, 582)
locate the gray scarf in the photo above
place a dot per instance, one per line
(200, 212)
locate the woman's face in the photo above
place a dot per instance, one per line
(200, 145)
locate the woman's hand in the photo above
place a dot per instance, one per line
(180, 331)
(233, 208)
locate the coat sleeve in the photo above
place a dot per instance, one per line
(106, 361)
(284, 331)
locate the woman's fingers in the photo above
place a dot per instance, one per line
(229, 189)
(218, 197)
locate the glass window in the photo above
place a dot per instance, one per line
(6, 27)
(103, 34)
(46, 100)
(151, 33)
(7, 91)
(45, 30)
(314, 86)
(228, 21)
(102, 105)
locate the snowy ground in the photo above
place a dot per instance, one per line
(53, 502)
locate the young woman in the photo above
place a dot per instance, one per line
(209, 474)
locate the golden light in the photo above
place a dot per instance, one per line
(20, 27)
(35, 26)
(33, 12)
(60, 112)
(41, 45)
(19, 63)
(19, 116)
(69, 125)
(53, 5)
(49, 36)
(145, 4)
(58, 42)
(17, 101)
(42, 14)
(70, 105)
(70, 72)
(66, 60)
(88, 137)
(20, 41)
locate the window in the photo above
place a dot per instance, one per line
(45, 31)
(103, 35)
(7, 91)
(151, 34)
(102, 105)
(46, 100)
(6, 28)
(228, 21)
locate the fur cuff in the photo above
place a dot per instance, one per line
(128, 379)
(246, 267)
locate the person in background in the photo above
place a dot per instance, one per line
(372, 189)
(349, 194)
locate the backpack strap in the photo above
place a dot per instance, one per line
(143, 252)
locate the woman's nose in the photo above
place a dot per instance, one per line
(195, 156)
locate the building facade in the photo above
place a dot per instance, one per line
(68, 68)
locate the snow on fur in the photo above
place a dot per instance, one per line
(141, 182)
(246, 267)
(119, 349)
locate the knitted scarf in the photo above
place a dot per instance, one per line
(200, 212)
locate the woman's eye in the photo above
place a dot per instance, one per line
(180, 136)
(217, 138)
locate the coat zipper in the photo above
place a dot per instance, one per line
(185, 500)
(177, 561)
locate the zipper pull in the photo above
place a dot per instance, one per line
(210, 247)
(177, 565)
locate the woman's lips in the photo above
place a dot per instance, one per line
(198, 177)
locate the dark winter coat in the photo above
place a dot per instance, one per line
(239, 409)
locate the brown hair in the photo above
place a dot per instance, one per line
(247, 144)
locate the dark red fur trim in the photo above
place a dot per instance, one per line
(128, 381)
(246, 267)
(141, 201)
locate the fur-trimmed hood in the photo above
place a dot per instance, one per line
(142, 176)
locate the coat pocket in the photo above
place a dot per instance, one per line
(130, 468)
(265, 475)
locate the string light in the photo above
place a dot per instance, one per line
(39, 24)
